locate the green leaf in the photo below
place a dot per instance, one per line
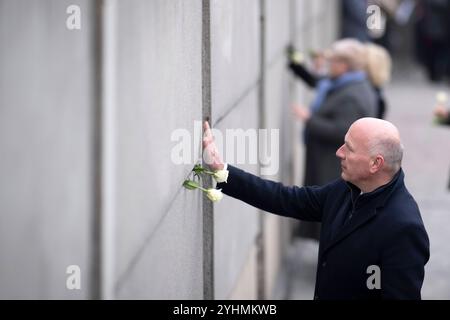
(191, 185)
(198, 169)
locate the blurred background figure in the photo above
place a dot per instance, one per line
(432, 36)
(310, 76)
(354, 18)
(392, 13)
(378, 68)
(389, 13)
(442, 114)
(342, 97)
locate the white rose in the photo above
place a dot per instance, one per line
(214, 194)
(297, 57)
(441, 97)
(221, 175)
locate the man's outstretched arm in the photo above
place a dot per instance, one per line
(300, 203)
(295, 202)
(300, 71)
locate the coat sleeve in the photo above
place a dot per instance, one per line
(403, 262)
(300, 203)
(301, 72)
(333, 129)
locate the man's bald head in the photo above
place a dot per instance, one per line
(381, 137)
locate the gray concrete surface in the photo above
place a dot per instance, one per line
(235, 35)
(86, 141)
(235, 223)
(159, 81)
(47, 109)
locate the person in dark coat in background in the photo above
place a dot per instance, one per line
(378, 69)
(432, 35)
(341, 99)
(373, 243)
(297, 66)
(354, 20)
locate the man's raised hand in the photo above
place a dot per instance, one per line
(211, 154)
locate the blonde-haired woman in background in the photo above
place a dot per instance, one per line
(378, 69)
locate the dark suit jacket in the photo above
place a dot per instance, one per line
(382, 228)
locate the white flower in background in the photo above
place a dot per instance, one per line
(214, 194)
(221, 175)
(297, 57)
(441, 97)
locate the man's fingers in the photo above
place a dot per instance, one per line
(207, 130)
(211, 154)
(207, 135)
(206, 126)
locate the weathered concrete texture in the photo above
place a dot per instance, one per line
(316, 24)
(277, 117)
(325, 32)
(277, 29)
(303, 14)
(276, 94)
(235, 224)
(159, 76)
(170, 259)
(235, 52)
(277, 102)
(274, 246)
(235, 38)
(246, 285)
(46, 114)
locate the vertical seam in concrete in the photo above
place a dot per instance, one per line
(207, 206)
(260, 253)
(97, 156)
(107, 227)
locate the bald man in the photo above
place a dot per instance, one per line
(373, 243)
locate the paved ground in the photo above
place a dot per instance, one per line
(427, 169)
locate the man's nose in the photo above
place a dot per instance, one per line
(339, 153)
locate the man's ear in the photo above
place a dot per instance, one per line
(376, 164)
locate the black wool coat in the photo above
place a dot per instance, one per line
(382, 228)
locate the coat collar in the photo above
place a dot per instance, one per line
(371, 201)
(380, 195)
